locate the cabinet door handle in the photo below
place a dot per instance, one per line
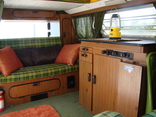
(103, 52)
(64, 34)
(94, 79)
(84, 55)
(85, 49)
(89, 76)
(36, 84)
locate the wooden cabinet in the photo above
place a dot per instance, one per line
(109, 82)
(85, 84)
(85, 80)
(29, 14)
(66, 29)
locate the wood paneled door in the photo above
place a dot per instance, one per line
(85, 85)
(129, 86)
(105, 86)
(66, 29)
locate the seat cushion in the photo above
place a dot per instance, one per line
(45, 55)
(39, 71)
(25, 56)
(108, 114)
(150, 114)
(68, 54)
(9, 61)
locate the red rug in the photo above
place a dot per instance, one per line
(39, 111)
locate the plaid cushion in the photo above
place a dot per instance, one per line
(109, 114)
(40, 71)
(151, 114)
(30, 42)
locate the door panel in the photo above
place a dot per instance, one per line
(67, 30)
(105, 88)
(129, 84)
(85, 84)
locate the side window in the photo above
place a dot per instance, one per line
(26, 29)
(137, 21)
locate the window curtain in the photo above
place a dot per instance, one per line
(1, 8)
(89, 26)
(83, 27)
(97, 25)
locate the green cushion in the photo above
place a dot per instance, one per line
(30, 42)
(108, 114)
(150, 114)
(40, 71)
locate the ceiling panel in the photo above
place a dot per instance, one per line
(69, 7)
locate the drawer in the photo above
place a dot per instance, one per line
(29, 89)
(86, 49)
(100, 51)
(85, 56)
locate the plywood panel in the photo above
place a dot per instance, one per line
(21, 14)
(113, 46)
(105, 88)
(29, 90)
(129, 84)
(85, 91)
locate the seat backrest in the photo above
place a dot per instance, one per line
(19, 43)
(151, 82)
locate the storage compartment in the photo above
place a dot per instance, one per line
(86, 49)
(38, 97)
(70, 82)
(85, 56)
(28, 89)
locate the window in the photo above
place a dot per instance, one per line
(26, 29)
(137, 21)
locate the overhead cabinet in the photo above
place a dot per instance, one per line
(112, 77)
(28, 14)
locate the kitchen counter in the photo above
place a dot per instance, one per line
(123, 41)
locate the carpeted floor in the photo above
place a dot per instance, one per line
(66, 105)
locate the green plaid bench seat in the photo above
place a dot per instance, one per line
(40, 71)
(115, 114)
(150, 114)
(108, 114)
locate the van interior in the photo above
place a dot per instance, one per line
(101, 52)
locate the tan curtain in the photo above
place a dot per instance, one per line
(1, 8)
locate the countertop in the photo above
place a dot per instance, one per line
(123, 41)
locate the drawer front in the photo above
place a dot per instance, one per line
(34, 88)
(85, 56)
(86, 49)
(100, 51)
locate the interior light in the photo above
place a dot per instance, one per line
(115, 26)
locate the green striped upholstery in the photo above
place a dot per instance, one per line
(40, 71)
(150, 114)
(30, 42)
(108, 114)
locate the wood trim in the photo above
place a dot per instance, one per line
(41, 89)
(31, 14)
(113, 46)
(132, 3)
